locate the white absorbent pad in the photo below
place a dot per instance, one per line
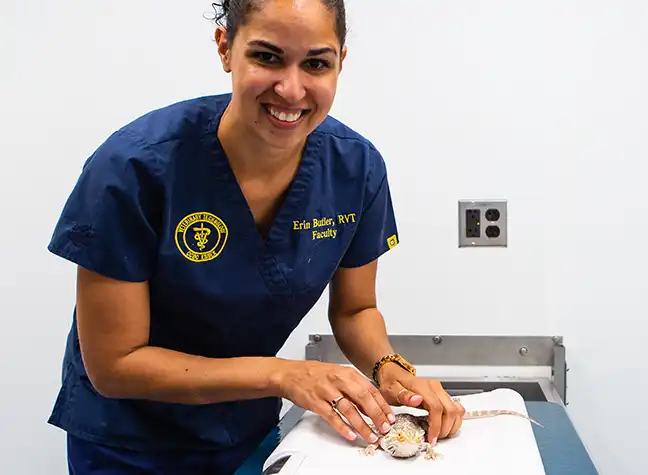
(498, 445)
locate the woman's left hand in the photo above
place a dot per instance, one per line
(400, 388)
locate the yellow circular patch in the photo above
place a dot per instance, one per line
(201, 236)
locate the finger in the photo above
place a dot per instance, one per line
(330, 415)
(367, 398)
(450, 414)
(435, 417)
(357, 422)
(435, 409)
(461, 411)
(382, 403)
(404, 396)
(435, 420)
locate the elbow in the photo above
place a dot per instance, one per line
(106, 384)
(109, 380)
(112, 376)
(344, 315)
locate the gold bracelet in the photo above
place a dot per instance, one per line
(392, 358)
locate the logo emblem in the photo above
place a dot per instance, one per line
(392, 241)
(201, 237)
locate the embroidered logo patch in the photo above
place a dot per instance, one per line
(392, 241)
(201, 237)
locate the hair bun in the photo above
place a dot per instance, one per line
(221, 9)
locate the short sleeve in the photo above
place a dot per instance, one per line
(108, 223)
(377, 232)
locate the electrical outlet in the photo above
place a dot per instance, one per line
(483, 223)
(473, 223)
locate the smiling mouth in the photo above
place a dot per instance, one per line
(287, 117)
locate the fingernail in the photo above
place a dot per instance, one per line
(386, 427)
(373, 438)
(434, 441)
(351, 435)
(392, 418)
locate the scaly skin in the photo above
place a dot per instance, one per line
(406, 438)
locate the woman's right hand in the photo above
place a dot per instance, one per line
(314, 386)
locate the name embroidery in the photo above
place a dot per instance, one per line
(325, 227)
(201, 236)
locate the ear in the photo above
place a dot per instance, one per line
(220, 35)
(343, 57)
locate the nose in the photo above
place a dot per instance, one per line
(290, 85)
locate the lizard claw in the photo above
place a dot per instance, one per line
(369, 450)
(430, 453)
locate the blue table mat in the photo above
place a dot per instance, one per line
(561, 449)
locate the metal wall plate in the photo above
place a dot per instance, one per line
(483, 223)
(453, 350)
(467, 350)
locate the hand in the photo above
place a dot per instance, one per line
(399, 387)
(314, 385)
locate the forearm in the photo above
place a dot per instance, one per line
(169, 376)
(362, 337)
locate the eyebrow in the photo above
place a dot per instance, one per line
(276, 49)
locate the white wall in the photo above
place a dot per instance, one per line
(542, 103)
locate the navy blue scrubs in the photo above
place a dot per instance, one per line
(158, 202)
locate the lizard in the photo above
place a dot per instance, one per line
(406, 438)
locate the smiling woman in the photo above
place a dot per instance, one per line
(203, 233)
(285, 60)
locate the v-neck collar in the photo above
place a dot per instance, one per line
(280, 226)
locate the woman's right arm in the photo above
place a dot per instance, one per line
(113, 325)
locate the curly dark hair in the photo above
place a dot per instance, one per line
(235, 14)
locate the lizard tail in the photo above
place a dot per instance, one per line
(482, 414)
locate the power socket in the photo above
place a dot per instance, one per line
(473, 223)
(483, 223)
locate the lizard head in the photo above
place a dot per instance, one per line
(404, 440)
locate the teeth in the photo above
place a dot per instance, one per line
(285, 117)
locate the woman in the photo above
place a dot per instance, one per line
(203, 233)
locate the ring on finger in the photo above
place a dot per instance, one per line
(399, 393)
(335, 401)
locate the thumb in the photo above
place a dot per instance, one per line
(404, 396)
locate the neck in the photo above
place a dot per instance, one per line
(248, 155)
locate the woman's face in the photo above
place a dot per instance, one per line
(285, 63)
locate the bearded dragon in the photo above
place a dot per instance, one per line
(406, 438)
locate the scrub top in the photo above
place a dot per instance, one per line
(158, 202)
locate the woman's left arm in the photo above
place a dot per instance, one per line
(357, 324)
(360, 332)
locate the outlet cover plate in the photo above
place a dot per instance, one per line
(483, 223)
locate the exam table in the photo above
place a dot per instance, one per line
(534, 366)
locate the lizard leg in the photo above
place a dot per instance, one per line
(430, 453)
(369, 450)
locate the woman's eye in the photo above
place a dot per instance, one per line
(264, 56)
(317, 64)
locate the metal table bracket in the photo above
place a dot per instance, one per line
(474, 351)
